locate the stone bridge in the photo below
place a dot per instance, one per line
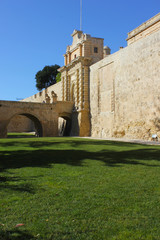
(44, 115)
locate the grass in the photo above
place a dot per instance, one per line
(20, 135)
(78, 189)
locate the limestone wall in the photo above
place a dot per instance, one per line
(146, 32)
(20, 124)
(24, 124)
(40, 96)
(125, 91)
(147, 28)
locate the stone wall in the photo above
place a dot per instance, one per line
(23, 124)
(45, 116)
(145, 29)
(20, 124)
(124, 91)
(40, 96)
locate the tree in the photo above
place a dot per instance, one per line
(58, 77)
(46, 77)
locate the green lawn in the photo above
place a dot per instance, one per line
(78, 189)
(20, 135)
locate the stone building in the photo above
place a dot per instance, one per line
(114, 95)
(84, 51)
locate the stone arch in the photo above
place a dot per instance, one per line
(64, 124)
(34, 119)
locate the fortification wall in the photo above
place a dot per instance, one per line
(145, 29)
(24, 124)
(40, 96)
(125, 91)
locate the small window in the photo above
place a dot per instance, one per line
(75, 56)
(95, 49)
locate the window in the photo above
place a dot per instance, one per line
(75, 56)
(95, 49)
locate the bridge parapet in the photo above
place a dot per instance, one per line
(44, 115)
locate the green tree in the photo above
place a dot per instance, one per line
(58, 77)
(46, 77)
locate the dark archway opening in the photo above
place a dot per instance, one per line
(25, 123)
(64, 126)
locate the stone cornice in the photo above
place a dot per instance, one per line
(85, 60)
(144, 26)
(75, 32)
(75, 48)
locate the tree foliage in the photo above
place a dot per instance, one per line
(58, 77)
(47, 76)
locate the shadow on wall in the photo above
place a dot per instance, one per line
(75, 124)
(64, 126)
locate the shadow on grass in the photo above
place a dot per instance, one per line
(16, 235)
(116, 157)
(46, 158)
(41, 142)
(20, 187)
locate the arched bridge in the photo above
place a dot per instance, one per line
(44, 115)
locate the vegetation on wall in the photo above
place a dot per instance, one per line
(47, 77)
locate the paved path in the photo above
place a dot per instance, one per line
(139, 141)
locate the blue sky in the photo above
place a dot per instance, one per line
(35, 33)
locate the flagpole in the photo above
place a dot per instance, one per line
(80, 15)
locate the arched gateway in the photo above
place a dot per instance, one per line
(44, 115)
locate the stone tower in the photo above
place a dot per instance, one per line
(84, 51)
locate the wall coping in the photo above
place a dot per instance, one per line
(144, 26)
